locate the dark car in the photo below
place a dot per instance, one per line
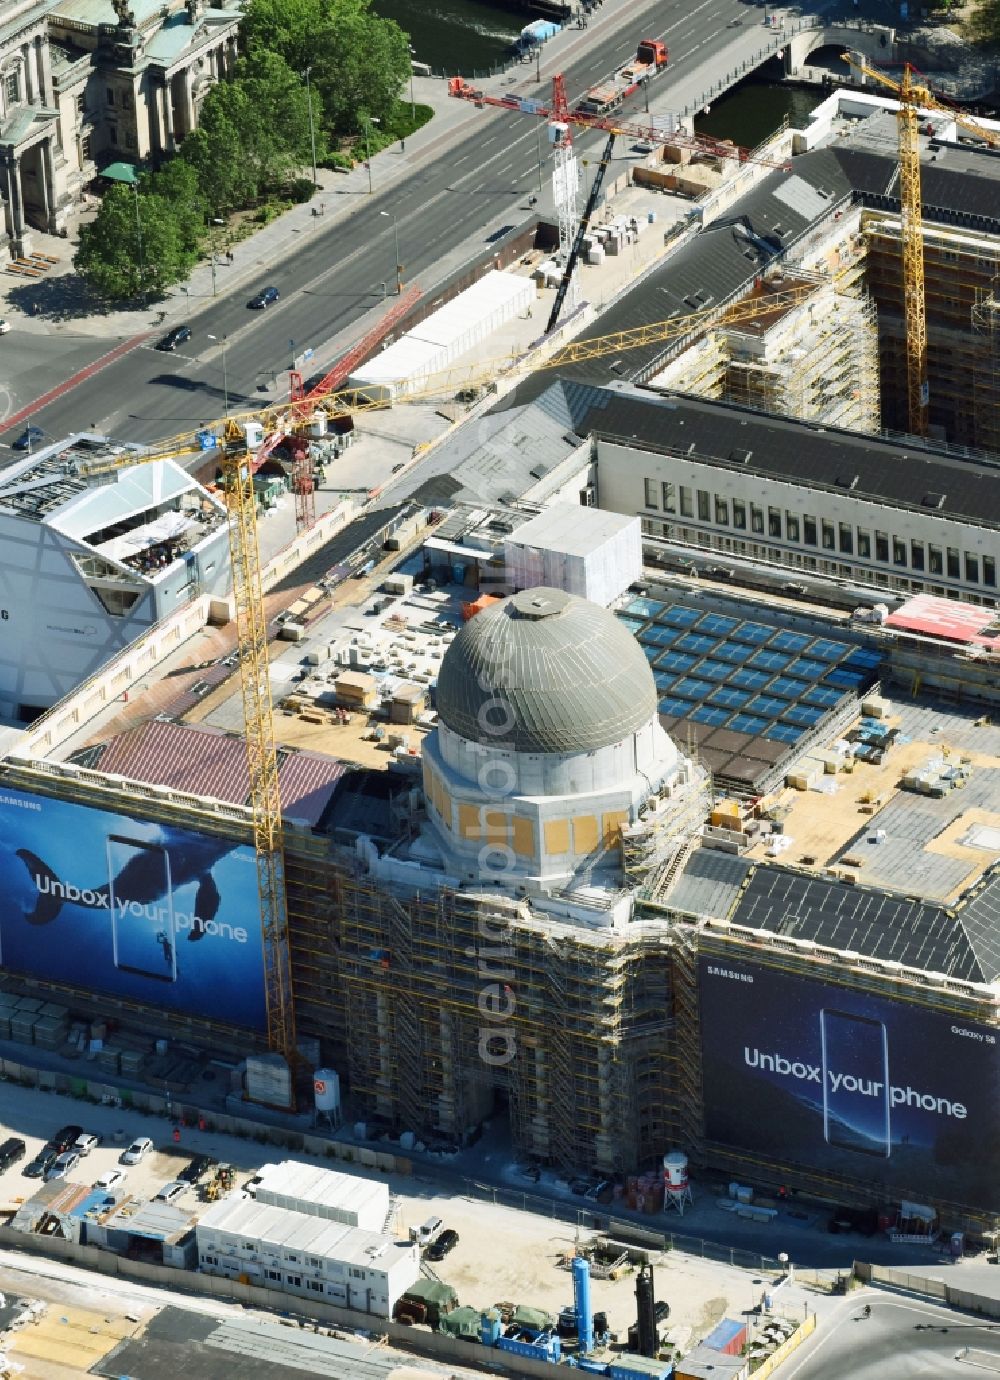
(192, 1172)
(173, 338)
(30, 436)
(42, 1163)
(65, 1138)
(445, 1243)
(264, 298)
(11, 1151)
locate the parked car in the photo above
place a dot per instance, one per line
(62, 1165)
(264, 298)
(4, 327)
(114, 1178)
(87, 1142)
(41, 1164)
(169, 1193)
(11, 1151)
(65, 1138)
(30, 436)
(137, 1151)
(173, 338)
(200, 1165)
(444, 1244)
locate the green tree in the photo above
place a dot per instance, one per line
(359, 61)
(253, 134)
(134, 247)
(177, 184)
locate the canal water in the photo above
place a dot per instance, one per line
(459, 35)
(756, 108)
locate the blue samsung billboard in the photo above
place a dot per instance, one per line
(150, 912)
(858, 1085)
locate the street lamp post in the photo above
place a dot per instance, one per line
(413, 104)
(538, 151)
(395, 239)
(225, 373)
(369, 121)
(312, 127)
(216, 221)
(138, 231)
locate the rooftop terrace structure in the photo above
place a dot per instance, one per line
(84, 570)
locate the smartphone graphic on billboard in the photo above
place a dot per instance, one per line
(855, 1083)
(142, 908)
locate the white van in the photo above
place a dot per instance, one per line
(427, 1232)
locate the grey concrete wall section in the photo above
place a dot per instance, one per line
(928, 1287)
(429, 1344)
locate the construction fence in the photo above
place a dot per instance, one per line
(947, 1294)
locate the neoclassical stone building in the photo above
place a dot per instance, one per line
(87, 82)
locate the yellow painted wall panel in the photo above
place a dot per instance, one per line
(557, 836)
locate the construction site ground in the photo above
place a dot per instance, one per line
(842, 826)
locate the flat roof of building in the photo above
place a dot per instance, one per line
(570, 529)
(968, 624)
(308, 1183)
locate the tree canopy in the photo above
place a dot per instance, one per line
(137, 245)
(359, 62)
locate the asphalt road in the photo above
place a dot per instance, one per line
(337, 277)
(904, 1339)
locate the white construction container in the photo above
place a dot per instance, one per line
(346, 1198)
(269, 1081)
(585, 551)
(455, 328)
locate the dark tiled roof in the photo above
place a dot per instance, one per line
(815, 457)
(875, 923)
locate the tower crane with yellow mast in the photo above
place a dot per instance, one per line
(238, 465)
(915, 96)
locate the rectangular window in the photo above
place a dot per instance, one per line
(739, 514)
(126, 100)
(651, 494)
(85, 147)
(316, 1285)
(12, 88)
(846, 539)
(809, 531)
(774, 522)
(791, 527)
(935, 560)
(295, 1281)
(829, 536)
(881, 546)
(669, 498)
(687, 507)
(864, 544)
(972, 569)
(704, 506)
(990, 571)
(113, 134)
(898, 551)
(721, 511)
(110, 95)
(81, 103)
(917, 555)
(756, 518)
(954, 565)
(273, 1274)
(130, 139)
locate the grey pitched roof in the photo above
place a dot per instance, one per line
(979, 915)
(709, 883)
(898, 473)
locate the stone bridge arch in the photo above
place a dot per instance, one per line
(875, 41)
